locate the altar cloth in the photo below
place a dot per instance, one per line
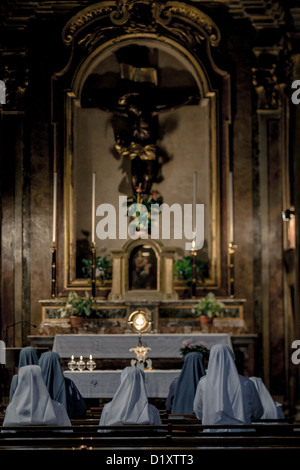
(104, 383)
(117, 346)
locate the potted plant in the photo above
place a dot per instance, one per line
(77, 308)
(208, 308)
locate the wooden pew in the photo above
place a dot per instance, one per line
(170, 435)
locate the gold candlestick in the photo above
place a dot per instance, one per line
(194, 270)
(93, 206)
(93, 270)
(231, 252)
(53, 281)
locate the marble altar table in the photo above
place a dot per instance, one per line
(103, 346)
(104, 383)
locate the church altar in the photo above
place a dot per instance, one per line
(104, 383)
(103, 346)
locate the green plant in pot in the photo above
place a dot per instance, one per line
(208, 308)
(77, 307)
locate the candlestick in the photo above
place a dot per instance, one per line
(91, 364)
(72, 363)
(194, 201)
(80, 364)
(194, 270)
(93, 206)
(54, 206)
(53, 280)
(230, 215)
(93, 270)
(231, 251)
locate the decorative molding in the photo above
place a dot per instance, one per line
(271, 75)
(14, 73)
(261, 13)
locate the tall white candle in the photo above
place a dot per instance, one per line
(194, 201)
(230, 215)
(54, 206)
(93, 206)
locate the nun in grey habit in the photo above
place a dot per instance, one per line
(61, 388)
(28, 356)
(184, 387)
(130, 402)
(272, 409)
(223, 396)
(31, 403)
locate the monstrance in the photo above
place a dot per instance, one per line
(139, 322)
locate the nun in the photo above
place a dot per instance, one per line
(61, 388)
(28, 356)
(130, 402)
(272, 409)
(31, 403)
(184, 388)
(223, 396)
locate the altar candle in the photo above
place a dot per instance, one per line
(230, 197)
(54, 206)
(93, 206)
(91, 357)
(194, 201)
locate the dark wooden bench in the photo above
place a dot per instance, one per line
(167, 434)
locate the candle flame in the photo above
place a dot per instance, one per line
(139, 321)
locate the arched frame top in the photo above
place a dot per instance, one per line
(192, 64)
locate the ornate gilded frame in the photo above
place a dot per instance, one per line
(102, 28)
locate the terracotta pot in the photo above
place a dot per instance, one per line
(76, 322)
(205, 321)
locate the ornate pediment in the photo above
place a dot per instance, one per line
(184, 22)
(262, 13)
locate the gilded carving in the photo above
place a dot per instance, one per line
(273, 71)
(84, 17)
(177, 26)
(186, 23)
(195, 18)
(266, 86)
(15, 77)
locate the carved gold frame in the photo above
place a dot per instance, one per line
(205, 31)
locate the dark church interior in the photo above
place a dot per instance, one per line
(150, 161)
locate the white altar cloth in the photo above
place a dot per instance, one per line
(116, 346)
(104, 383)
